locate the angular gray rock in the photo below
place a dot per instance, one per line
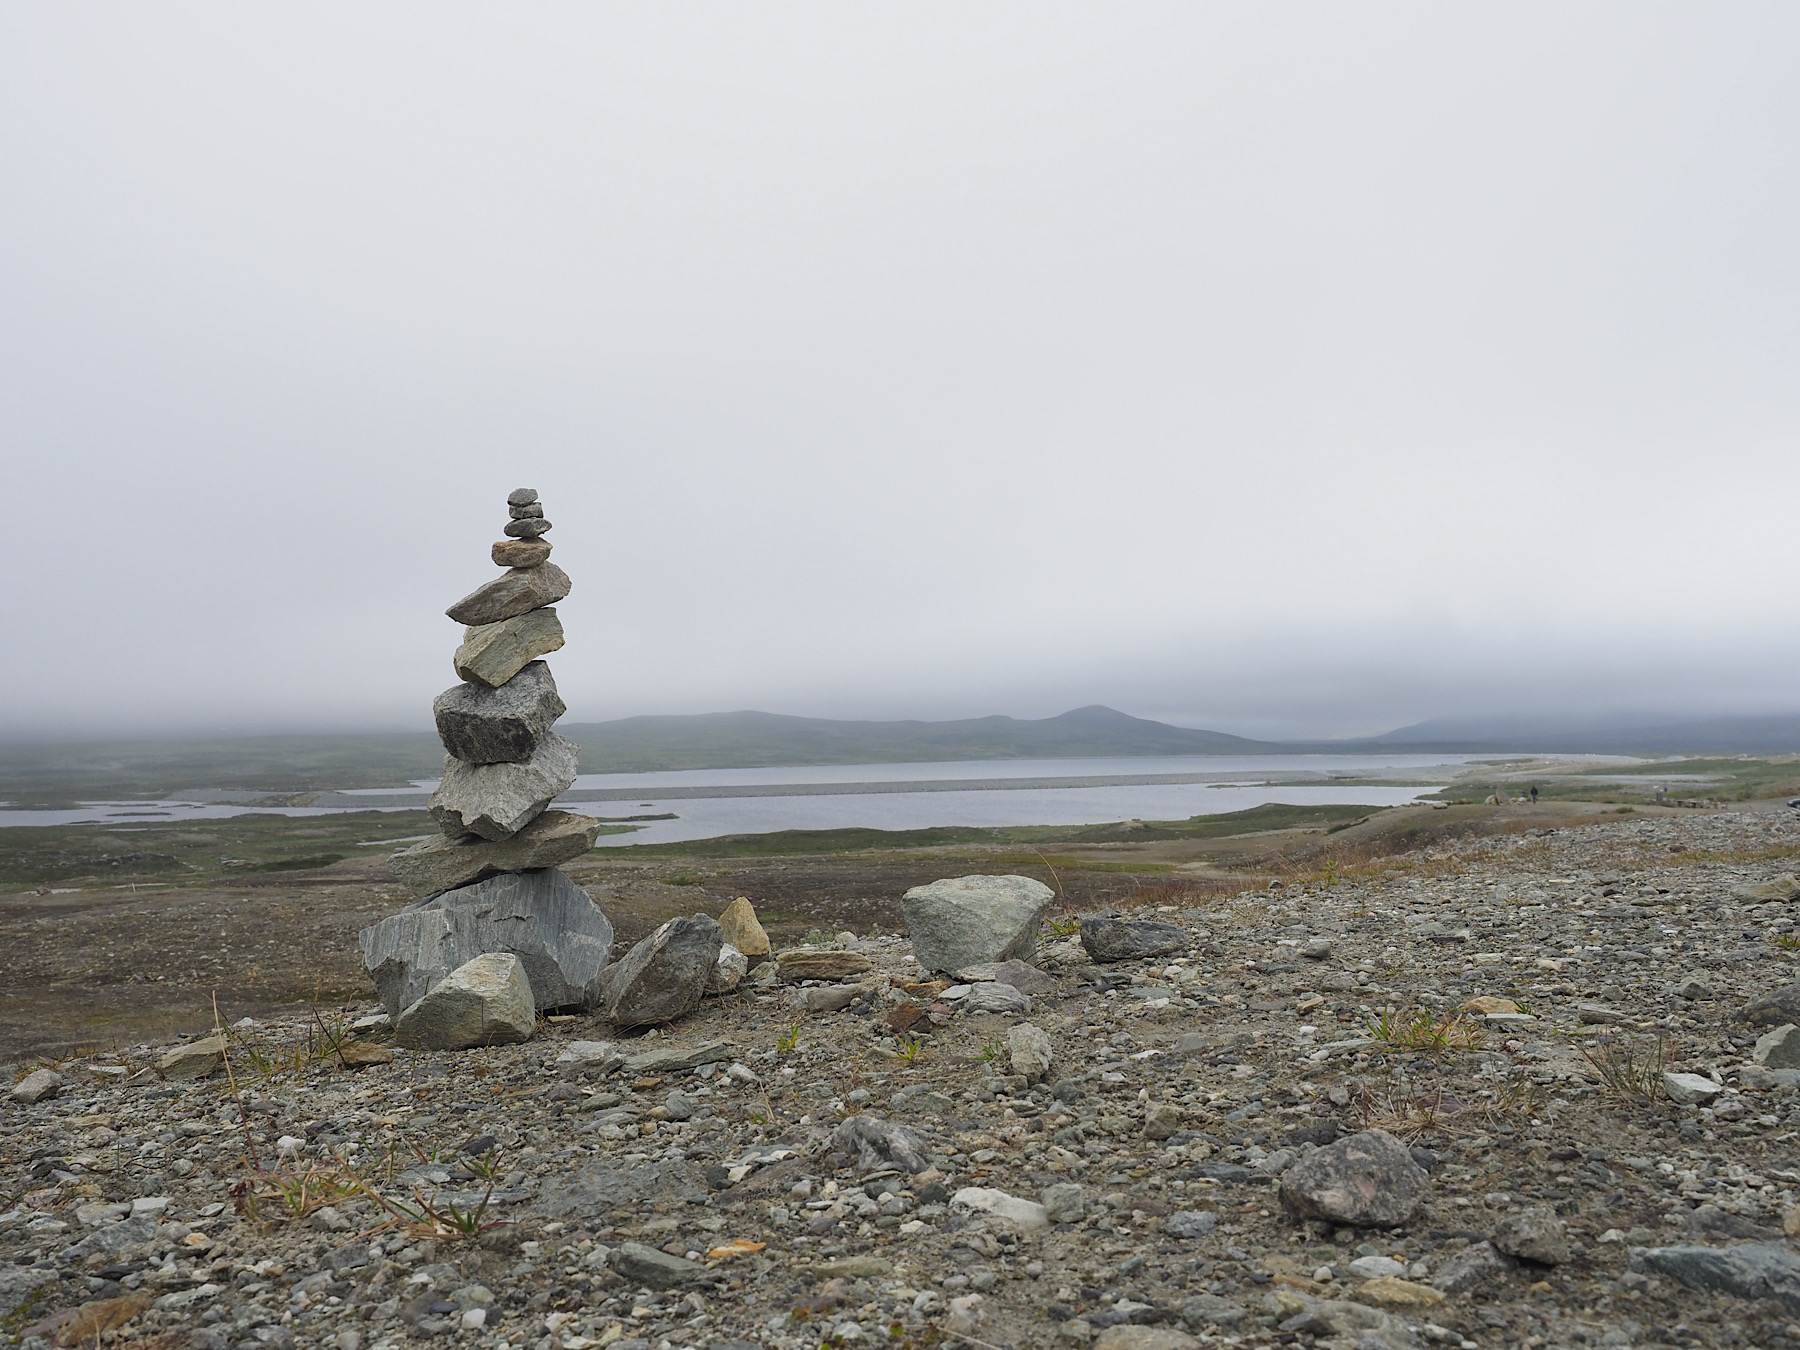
(1471, 1266)
(18, 1284)
(528, 528)
(728, 971)
(873, 1143)
(196, 1059)
(664, 977)
(519, 590)
(486, 1001)
(1753, 1271)
(967, 921)
(594, 1189)
(496, 801)
(113, 1240)
(1367, 1180)
(480, 724)
(1029, 1049)
(671, 1058)
(37, 1085)
(641, 1265)
(1774, 1008)
(441, 864)
(1065, 1202)
(1107, 937)
(1191, 1223)
(1533, 1234)
(547, 921)
(1209, 1310)
(1780, 1048)
(522, 497)
(495, 652)
(1021, 975)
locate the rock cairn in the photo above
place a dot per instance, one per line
(489, 883)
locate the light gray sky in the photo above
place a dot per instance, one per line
(1288, 369)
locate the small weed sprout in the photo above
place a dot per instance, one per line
(909, 1049)
(789, 1041)
(1420, 1030)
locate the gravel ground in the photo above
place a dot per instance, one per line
(668, 1207)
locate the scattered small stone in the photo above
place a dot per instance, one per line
(1691, 1088)
(1029, 1051)
(37, 1085)
(196, 1059)
(1534, 1234)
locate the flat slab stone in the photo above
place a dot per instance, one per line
(1021, 975)
(496, 801)
(519, 590)
(1754, 1270)
(520, 552)
(810, 963)
(495, 652)
(560, 935)
(486, 1001)
(1108, 937)
(681, 1057)
(481, 724)
(443, 864)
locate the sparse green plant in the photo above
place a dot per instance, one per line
(908, 1049)
(1419, 1029)
(789, 1040)
(992, 1050)
(1626, 1070)
(1411, 1111)
(1788, 942)
(1063, 927)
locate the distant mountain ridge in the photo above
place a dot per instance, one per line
(45, 774)
(742, 740)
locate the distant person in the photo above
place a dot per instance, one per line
(1534, 794)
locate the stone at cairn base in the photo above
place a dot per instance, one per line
(442, 864)
(665, 976)
(547, 921)
(522, 589)
(482, 725)
(496, 801)
(495, 652)
(742, 930)
(486, 1001)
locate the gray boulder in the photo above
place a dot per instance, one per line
(1780, 1048)
(482, 725)
(1534, 1234)
(495, 652)
(873, 1143)
(443, 864)
(37, 1085)
(1021, 975)
(1368, 1180)
(973, 920)
(521, 589)
(1753, 1271)
(496, 801)
(486, 1001)
(1472, 1266)
(1029, 1049)
(1107, 937)
(547, 921)
(665, 976)
(1775, 1008)
(1065, 1202)
(641, 1265)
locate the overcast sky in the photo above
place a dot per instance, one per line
(1291, 369)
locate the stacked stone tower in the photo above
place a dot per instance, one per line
(489, 882)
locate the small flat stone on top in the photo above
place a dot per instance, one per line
(521, 497)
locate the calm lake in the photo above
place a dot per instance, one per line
(710, 802)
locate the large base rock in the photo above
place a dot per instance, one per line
(495, 652)
(967, 921)
(521, 589)
(665, 976)
(480, 725)
(496, 801)
(441, 864)
(487, 1001)
(547, 921)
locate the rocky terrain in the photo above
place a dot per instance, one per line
(1499, 1092)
